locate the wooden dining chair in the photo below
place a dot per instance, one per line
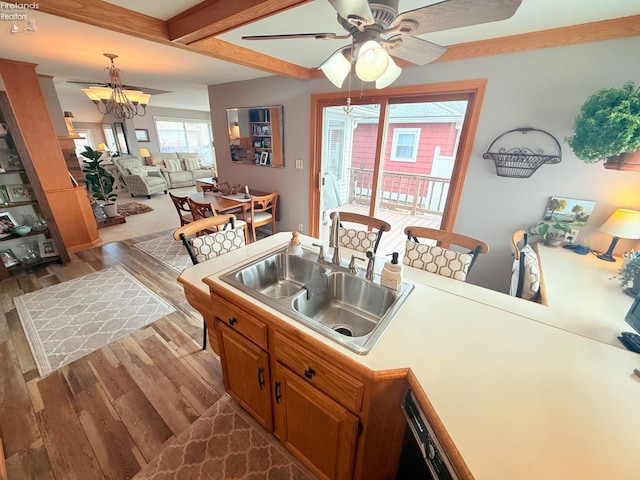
(262, 212)
(210, 237)
(362, 240)
(441, 258)
(206, 210)
(182, 206)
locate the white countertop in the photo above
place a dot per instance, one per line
(520, 399)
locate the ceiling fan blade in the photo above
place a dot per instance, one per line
(351, 8)
(453, 14)
(318, 36)
(414, 50)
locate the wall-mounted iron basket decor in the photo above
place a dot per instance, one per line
(521, 162)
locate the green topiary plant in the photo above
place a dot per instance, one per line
(608, 124)
(99, 181)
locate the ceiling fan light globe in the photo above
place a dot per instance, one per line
(336, 68)
(372, 61)
(390, 75)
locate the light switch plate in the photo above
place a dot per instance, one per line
(299, 164)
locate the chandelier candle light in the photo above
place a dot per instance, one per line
(115, 100)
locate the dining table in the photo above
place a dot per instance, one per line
(230, 203)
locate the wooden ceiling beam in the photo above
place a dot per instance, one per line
(128, 22)
(213, 17)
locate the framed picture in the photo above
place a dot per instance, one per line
(9, 258)
(7, 222)
(20, 193)
(569, 211)
(4, 196)
(142, 134)
(10, 160)
(47, 248)
(257, 144)
(264, 157)
(121, 138)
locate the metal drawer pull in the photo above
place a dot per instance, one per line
(261, 377)
(232, 321)
(277, 392)
(309, 373)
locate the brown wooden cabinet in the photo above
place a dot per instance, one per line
(245, 369)
(339, 421)
(321, 432)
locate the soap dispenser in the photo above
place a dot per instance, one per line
(294, 247)
(391, 275)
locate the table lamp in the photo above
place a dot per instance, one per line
(624, 223)
(144, 153)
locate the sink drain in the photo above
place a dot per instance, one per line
(344, 330)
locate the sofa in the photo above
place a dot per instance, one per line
(181, 169)
(138, 179)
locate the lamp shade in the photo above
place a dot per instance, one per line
(624, 223)
(336, 68)
(372, 61)
(390, 75)
(101, 147)
(144, 153)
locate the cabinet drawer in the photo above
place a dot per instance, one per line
(331, 380)
(241, 322)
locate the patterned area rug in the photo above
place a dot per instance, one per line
(223, 444)
(67, 321)
(167, 251)
(133, 208)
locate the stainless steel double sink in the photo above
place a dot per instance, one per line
(327, 298)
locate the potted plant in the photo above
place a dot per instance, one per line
(630, 273)
(99, 181)
(552, 233)
(608, 128)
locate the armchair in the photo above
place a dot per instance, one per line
(136, 178)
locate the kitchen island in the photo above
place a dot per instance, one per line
(511, 396)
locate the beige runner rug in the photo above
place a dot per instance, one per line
(167, 251)
(67, 321)
(224, 444)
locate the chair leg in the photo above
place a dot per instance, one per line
(204, 335)
(253, 229)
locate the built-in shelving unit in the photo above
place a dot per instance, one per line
(22, 202)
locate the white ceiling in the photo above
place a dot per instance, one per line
(70, 50)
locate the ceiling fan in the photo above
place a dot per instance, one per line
(378, 33)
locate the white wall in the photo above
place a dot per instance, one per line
(540, 88)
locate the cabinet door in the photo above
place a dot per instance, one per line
(245, 370)
(317, 429)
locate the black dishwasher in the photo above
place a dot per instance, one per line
(422, 455)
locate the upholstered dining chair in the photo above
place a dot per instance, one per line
(262, 212)
(208, 238)
(362, 240)
(204, 210)
(182, 206)
(442, 260)
(525, 272)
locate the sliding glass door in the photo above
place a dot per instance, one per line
(393, 159)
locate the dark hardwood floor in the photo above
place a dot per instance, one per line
(108, 414)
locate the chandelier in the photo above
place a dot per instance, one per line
(114, 99)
